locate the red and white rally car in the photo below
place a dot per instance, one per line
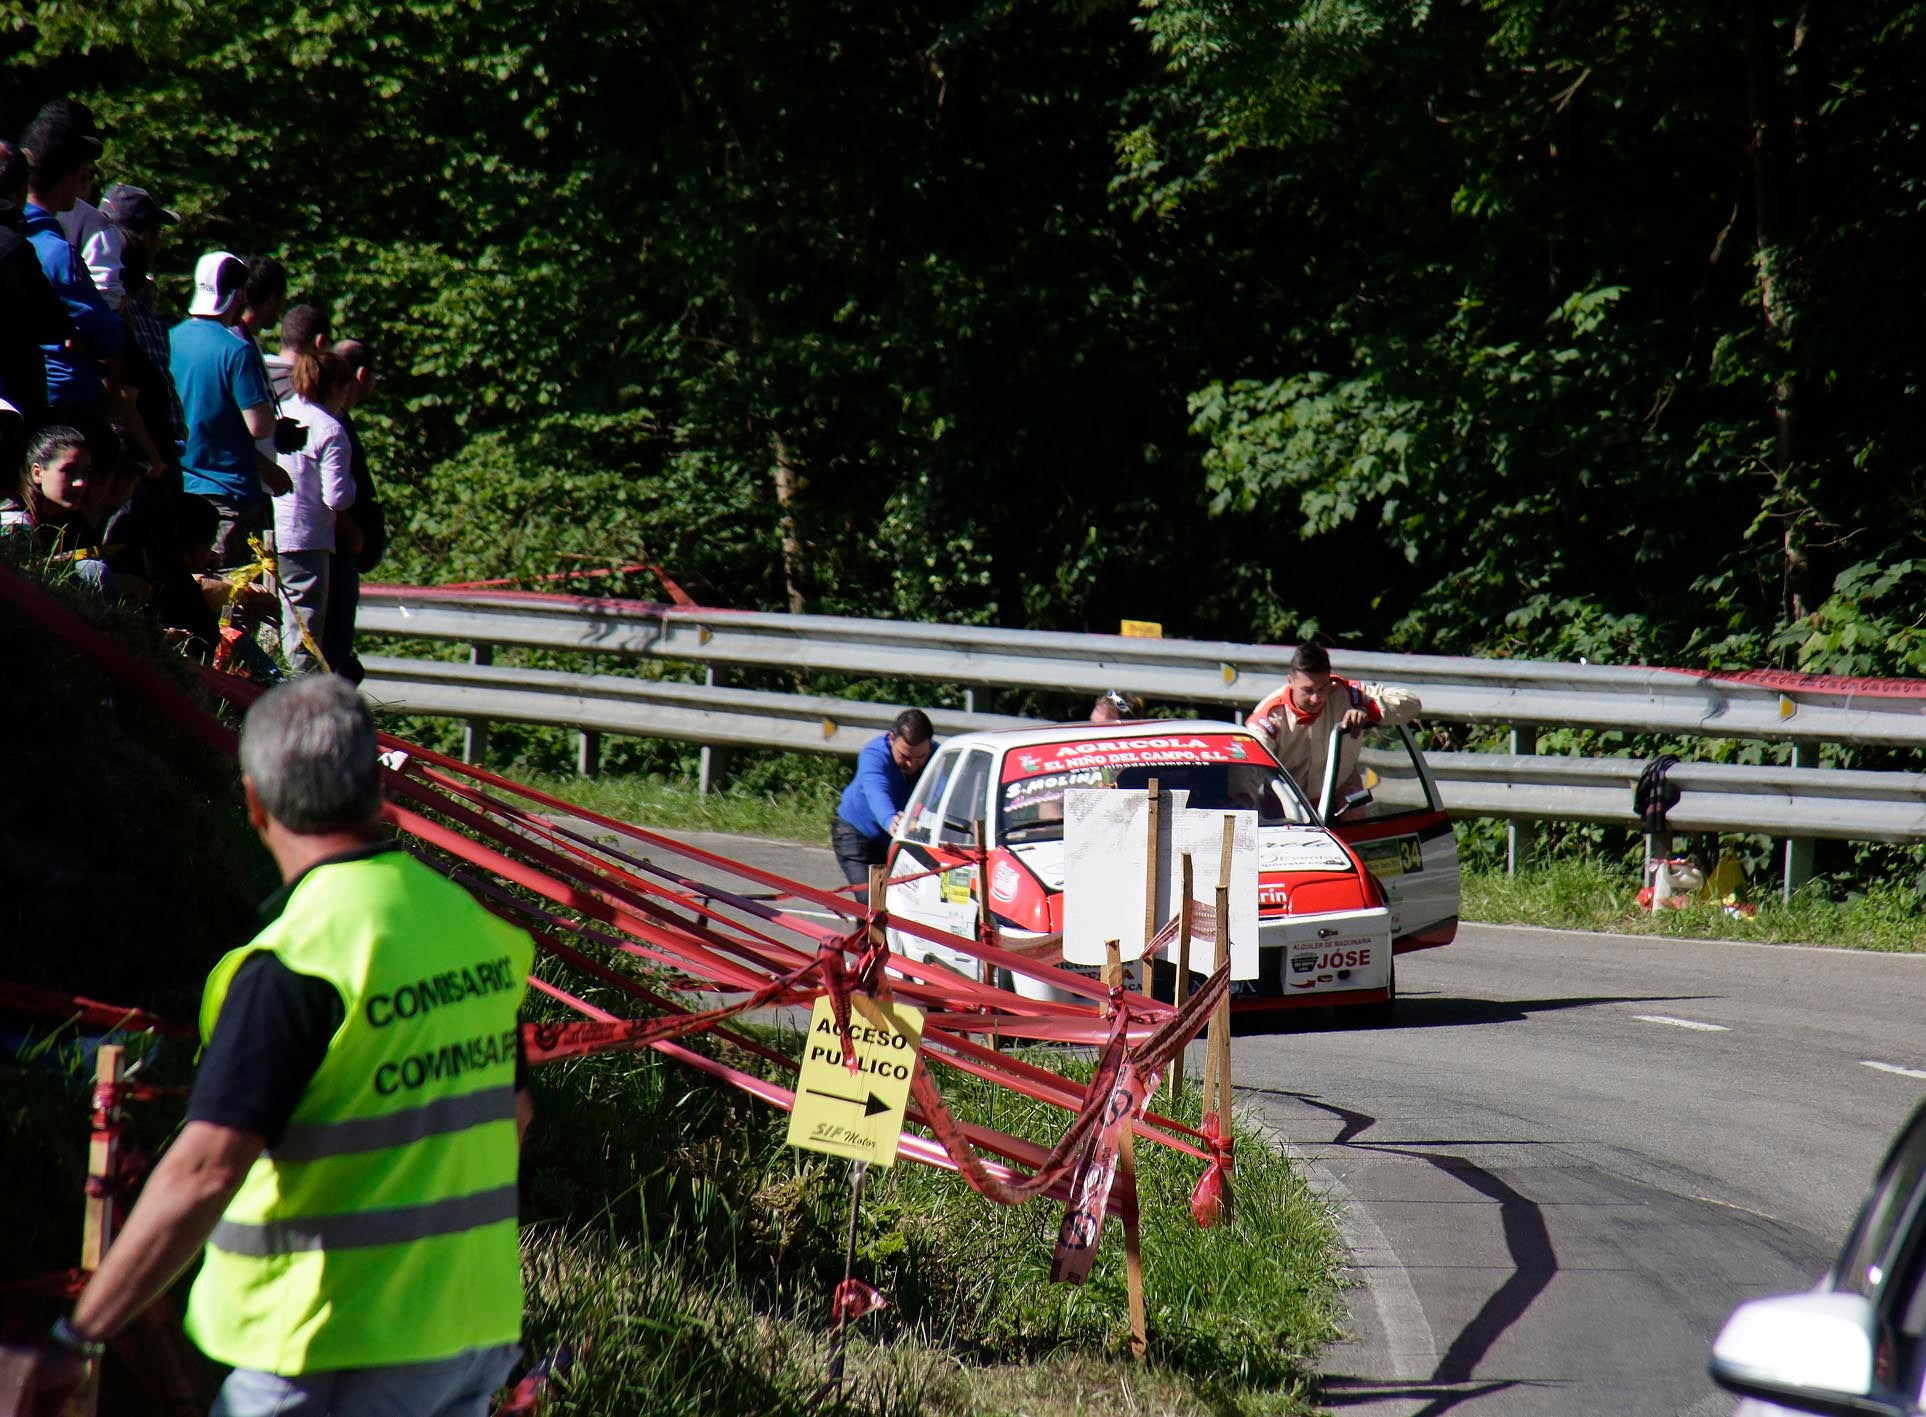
(1386, 871)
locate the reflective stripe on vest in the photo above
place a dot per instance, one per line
(312, 1140)
(358, 1228)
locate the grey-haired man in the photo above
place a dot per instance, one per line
(349, 1162)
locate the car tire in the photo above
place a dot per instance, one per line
(1384, 1015)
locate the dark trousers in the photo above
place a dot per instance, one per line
(344, 594)
(856, 853)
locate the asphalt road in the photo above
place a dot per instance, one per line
(1574, 1153)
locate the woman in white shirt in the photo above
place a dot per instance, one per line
(323, 484)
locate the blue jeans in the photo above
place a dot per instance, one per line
(461, 1386)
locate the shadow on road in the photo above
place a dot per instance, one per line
(1433, 1011)
(1338, 1392)
(1527, 1243)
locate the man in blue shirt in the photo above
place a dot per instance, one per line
(62, 154)
(227, 407)
(873, 802)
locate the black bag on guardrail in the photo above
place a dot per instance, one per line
(1655, 795)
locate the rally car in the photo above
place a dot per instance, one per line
(1334, 901)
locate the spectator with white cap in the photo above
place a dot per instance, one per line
(225, 398)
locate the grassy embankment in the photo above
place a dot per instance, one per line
(671, 1238)
(1581, 892)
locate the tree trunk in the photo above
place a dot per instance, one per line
(786, 484)
(1769, 150)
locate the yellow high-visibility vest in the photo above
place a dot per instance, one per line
(382, 1227)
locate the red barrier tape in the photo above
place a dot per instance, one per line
(674, 922)
(48, 1003)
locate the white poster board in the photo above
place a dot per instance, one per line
(1201, 834)
(1106, 843)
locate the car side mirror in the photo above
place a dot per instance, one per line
(1360, 798)
(1807, 1352)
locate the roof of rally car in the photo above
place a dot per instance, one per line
(1177, 728)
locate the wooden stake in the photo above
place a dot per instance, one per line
(1127, 1172)
(878, 893)
(985, 932)
(103, 1163)
(1183, 973)
(1220, 1021)
(1153, 874)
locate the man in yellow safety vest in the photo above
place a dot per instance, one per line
(352, 1144)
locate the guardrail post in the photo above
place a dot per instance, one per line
(1799, 849)
(474, 735)
(1519, 834)
(711, 761)
(588, 752)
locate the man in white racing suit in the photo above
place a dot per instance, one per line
(1296, 721)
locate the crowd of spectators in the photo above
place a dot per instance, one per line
(157, 457)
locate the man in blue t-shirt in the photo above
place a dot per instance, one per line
(227, 407)
(61, 151)
(866, 817)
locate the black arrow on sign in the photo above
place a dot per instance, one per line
(870, 1108)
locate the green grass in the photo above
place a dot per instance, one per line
(1587, 894)
(688, 1253)
(654, 801)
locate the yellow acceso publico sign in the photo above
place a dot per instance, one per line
(856, 1114)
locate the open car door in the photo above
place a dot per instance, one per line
(1379, 798)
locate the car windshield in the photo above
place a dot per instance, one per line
(1031, 808)
(1864, 1265)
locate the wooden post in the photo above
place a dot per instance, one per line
(1127, 1173)
(878, 896)
(1153, 870)
(1217, 1083)
(103, 1162)
(1182, 991)
(588, 752)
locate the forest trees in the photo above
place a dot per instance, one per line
(1502, 328)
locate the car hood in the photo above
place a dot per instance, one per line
(1300, 849)
(1286, 848)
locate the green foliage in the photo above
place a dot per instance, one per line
(1053, 314)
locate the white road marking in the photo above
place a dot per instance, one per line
(1404, 1329)
(1892, 1068)
(1682, 1023)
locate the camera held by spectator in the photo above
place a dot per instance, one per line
(290, 435)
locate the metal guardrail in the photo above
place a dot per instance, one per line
(1779, 801)
(1799, 802)
(1523, 693)
(1713, 797)
(647, 708)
